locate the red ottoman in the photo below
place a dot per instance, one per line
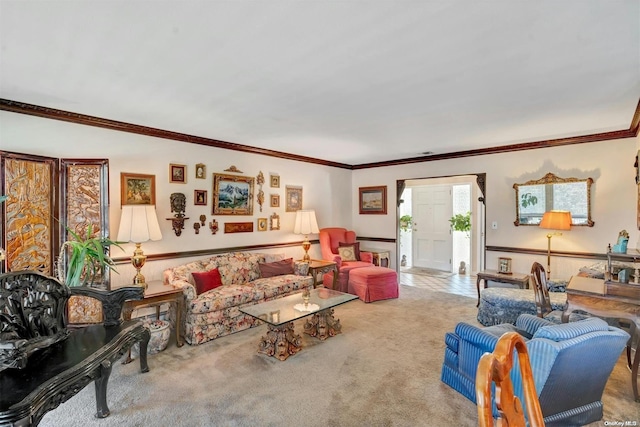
(373, 283)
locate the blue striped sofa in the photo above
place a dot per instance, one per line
(560, 356)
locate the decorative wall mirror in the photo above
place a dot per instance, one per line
(534, 198)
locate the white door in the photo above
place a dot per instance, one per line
(432, 242)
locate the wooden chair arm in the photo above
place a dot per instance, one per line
(112, 301)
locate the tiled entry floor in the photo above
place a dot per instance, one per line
(459, 284)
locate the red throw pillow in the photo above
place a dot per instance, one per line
(356, 248)
(277, 268)
(206, 281)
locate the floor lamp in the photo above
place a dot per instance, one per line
(554, 220)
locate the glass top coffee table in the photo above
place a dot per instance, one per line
(316, 305)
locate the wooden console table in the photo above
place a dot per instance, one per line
(589, 295)
(520, 279)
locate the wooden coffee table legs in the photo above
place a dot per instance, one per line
(323, 325)
(281, 341)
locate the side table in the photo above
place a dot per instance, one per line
(155, 295)
(320, 266)
(520, 279)
(379, 255)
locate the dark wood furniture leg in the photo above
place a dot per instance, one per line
(478, 287)
(101, 389)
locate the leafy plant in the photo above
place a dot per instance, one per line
(87, 257)
(461, 222)
(528, 199)
(405, 222)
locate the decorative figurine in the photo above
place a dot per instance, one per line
(621, 246)
(196, 226)
(178, 204)
(213, 226)
(203, 220)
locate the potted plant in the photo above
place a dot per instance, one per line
(87, 257)
(405, 222)
(461, 222)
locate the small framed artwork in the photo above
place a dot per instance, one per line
(274, 201)
(274, 221)
(238, 227)
(232, 194)
(373, 200)
(504, 265)
(201, 171)
(177, 174)
(293, 194)
(262, 224)
(274, 181)
(200, 197)
(137, 189)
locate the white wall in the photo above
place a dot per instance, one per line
(325, 189)
(613, 197)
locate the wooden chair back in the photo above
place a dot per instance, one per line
(495, 368)
(541, 289)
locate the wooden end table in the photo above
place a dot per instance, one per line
(520, 279)
(379, 255)
(321, 266)
(155, 295)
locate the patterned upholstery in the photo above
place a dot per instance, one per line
(330, 239)
(216, 313)
(504, 305)
(559, 354)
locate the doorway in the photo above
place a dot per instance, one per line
(429, 242)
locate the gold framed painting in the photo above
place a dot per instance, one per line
(275, 200)
(274, 181)
(373, 200)
(274, 221)
(262, 224)
(293, 196)
(504, 265)
(137, 189)
(201, 171)
(232, 194)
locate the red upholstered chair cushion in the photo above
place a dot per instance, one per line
(276, 268)
(206, 281)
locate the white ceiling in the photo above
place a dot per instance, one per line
(353, 82)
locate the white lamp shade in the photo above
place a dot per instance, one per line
(139, 223)
(306, 222)
(556, 220)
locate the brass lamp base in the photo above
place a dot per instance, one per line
(306, 245)
(138, 259)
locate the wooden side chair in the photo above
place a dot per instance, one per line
(496, 368)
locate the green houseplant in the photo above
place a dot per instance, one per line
(405, 222)
(461, 222)
(87, 257)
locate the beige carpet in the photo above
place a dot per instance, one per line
(383, 370)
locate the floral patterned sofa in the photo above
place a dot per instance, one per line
(215, 313)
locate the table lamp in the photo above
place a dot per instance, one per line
(306, 224)
(138, 224)
(554, 220)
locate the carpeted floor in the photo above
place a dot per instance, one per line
(383, 370)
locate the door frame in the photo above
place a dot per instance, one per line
(478, 215)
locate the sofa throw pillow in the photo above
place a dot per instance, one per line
(571, 330)
(347, 253)
(356, 248)
(206, 281)
(276, 268)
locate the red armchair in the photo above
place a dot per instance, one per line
(330, 238)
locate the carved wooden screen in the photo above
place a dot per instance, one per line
(84, 201)
(29, 215)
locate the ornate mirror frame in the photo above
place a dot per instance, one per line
(535, 197)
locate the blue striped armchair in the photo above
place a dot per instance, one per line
(560, 355)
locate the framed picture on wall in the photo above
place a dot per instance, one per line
(274, 181)
(293, 194)
(177, 174)
(232, 194)
(373, 200)
(137, 189)
(201, 171)
(274, 201)
(200, 197)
